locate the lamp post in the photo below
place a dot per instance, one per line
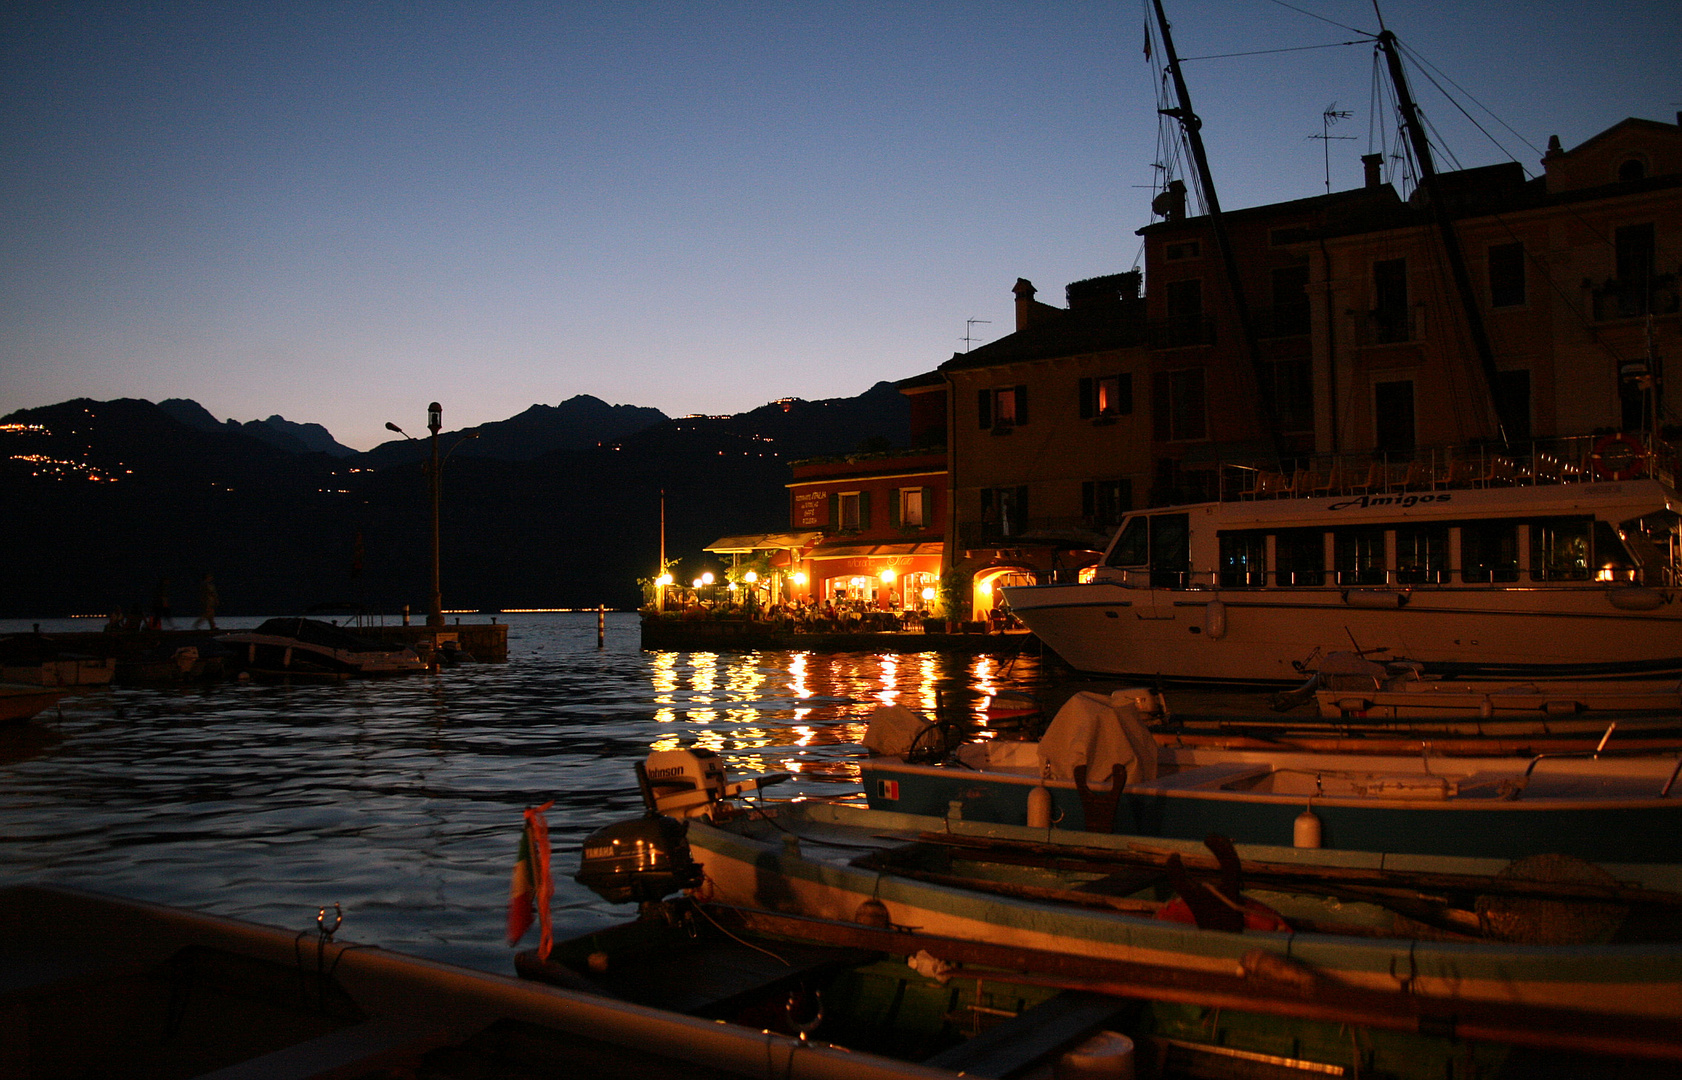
(434, 474)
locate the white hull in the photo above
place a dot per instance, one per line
(1274, 635)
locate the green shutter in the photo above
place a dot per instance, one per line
(1021, 405)
(1087, 408)
(834, 511)
(864, 511)
(893, 508)
(984, 404)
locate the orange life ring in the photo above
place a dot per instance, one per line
(1618, 457)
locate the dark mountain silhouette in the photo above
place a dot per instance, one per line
(277, 431)
(104, 499)
(575, 424)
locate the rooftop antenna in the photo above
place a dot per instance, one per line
(969, 331)
(1329, 116)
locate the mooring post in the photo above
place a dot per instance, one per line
(601, 624)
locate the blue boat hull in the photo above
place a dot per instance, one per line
(1650, 832)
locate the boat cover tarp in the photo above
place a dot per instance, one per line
(1100, 733)
(894, 730)
(316, 632)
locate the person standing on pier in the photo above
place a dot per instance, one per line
(208, 600)
(160, 606)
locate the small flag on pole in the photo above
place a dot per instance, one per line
(531, 887)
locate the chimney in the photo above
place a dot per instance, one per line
(1370, 163)
(1024, 290)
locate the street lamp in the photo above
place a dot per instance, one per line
(434, 476)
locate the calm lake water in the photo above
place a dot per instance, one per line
(401, 799)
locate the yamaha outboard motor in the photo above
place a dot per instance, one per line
(641, 861)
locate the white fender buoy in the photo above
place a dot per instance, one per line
(1214, 619)
(1039, 807)
(1306, 832)
(1107, 1054)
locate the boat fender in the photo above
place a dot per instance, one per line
(1039, 807)
(1636, 598)
(872, 912)
(1281, 970)
(1107, 1055)
(1214, 619)
(1305, 832)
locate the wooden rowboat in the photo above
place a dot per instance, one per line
(824, 861)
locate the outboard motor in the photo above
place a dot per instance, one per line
(690, 783)
(641, 861)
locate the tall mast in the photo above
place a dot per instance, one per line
(1192, 125)
(1415, 129)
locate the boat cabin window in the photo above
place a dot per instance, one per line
(1559, 549)
(1133, 546)
(1159, 541)
(1422, 554)
(1299, 556)
(1170, 550)
(1612, 559)
(1653, 541)
(1243, 559)
(1359, 556)
(1489, 551)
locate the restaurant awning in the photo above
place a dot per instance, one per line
(741, 545)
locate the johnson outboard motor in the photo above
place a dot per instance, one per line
(642, 861)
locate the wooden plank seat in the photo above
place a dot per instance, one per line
(351, 1051)
(1050, 1026)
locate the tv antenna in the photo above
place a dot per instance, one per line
(969, 331)
(1329, 116)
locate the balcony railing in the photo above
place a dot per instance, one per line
(1576, 459)
(1633, 299)
(976, 534)
(1389, 327)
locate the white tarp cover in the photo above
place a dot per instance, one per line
(1088, 730)
(894, 731)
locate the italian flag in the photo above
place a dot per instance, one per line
(531, 886)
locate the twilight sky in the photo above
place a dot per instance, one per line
(341, 211)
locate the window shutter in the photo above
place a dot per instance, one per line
(894, 499)
(928, 507)
(1159, 406)
(987, 504)
(1087, 409)
(1089, 500)
(864, 511)
(1021, 405)
(984, 404)
(834, 511)
(1124, 393)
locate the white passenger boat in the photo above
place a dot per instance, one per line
(1527, 580)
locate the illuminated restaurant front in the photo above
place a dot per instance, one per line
(883, 576)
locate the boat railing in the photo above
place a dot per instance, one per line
(1367, 586)
(1516, 789)
(1568, 460)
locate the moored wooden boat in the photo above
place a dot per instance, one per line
(1619, 807)
(20, 701)
(987, 1009)
(94, 985)
(806, 859)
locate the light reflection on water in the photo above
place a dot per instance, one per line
(401, 799)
